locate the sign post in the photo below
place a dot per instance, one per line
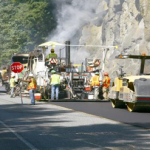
(17, 67)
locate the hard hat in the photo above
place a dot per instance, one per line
(30, 75)
(53, 71)
(52, 50)
(106, 74)
(97, 73)
(12, 75)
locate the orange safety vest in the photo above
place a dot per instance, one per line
(32, 84)
(106, 82)
(95, 81)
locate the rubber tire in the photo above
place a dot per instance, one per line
(131, 107)
(117, 103)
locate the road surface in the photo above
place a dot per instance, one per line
(47, 126)
(104, 109)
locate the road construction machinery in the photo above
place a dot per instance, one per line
(74, 83)
(75, 79)
(132, 91)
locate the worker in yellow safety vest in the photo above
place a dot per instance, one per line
(55, 83)
(52, 57)
(106, 84)
(4, 75)
(12, 85)
(95, 83)
(32, 85)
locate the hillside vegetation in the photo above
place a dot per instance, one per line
(23, 25)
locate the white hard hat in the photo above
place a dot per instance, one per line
(30, 75)
(13, 75)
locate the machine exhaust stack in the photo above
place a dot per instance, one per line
(67, 53)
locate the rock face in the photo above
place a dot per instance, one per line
(125, 23)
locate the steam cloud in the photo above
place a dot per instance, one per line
(72, 15)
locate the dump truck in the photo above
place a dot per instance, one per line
(132, 91)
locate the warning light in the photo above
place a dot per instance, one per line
(143, 54)
(116, 47)
(120, 56)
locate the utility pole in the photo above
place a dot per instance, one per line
(103, 63)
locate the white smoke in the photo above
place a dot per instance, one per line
(72, 15)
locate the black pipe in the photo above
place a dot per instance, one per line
(86, 64)
(67, 53)
(142, 65)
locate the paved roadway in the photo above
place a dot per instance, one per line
(104, 109)
(47, 126)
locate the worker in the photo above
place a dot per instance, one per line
(52, 57)
(12, 85)
(4, 75)
(55, 83)
(32, 85)
(95, 83)
(106, 84)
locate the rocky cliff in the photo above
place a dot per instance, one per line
(125, 23)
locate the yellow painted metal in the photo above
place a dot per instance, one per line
(132, 78)
(131, 107)
(77, 65)
(126, 90)
(118, 84)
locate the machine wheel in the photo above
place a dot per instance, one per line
(117, 103)
(131, 107)
(17, 90)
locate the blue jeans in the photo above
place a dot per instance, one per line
(54, 88)
(12, 91)
(31, 92)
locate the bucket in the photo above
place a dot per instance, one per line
(87, 88)
(90, 96)
(37, 96)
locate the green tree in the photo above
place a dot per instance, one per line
(24, 24)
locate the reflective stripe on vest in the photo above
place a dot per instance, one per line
(106, 82)
(55, 79)
(32, 84)
(53, 60)
(95, 81)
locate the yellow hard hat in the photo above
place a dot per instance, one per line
(52, 50)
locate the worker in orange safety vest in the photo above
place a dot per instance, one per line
(106, 84)
(32, 85)
(95, 83)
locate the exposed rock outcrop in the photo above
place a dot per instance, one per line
(125, 23)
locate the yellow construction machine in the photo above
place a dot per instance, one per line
(132, 91)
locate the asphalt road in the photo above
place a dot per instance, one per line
(104, 109)
(47, 126)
